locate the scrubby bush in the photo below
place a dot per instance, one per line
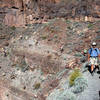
(44, 37)
(78, 55)
(37, 86)
(80, 85)
(68, 21)
(90, 25)
(13, 27)
(76, 73)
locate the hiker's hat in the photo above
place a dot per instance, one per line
(94, 44)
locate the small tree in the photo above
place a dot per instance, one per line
(76, 73)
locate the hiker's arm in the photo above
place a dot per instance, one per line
(99, 56)
(88, 57)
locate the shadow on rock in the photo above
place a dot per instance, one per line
(89, 68)
(98, 72)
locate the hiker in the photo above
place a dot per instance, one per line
(93, 55)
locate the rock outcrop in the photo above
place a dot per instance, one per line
(14, 18)
(22, 12)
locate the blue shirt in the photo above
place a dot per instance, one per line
(94, 52)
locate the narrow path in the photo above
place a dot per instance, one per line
(92, 91)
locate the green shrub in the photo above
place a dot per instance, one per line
(68, 21)
(90, 25)
(76, 73)
(69, 27)
(13, 27)
(44, 37)
(78, 54)
(37, 86)
(55, 36)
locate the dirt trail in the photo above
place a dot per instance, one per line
(92, 91)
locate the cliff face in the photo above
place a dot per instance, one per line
(22, 12)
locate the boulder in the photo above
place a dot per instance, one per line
(14, 18)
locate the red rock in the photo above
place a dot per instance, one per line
(39, 9)
(14, 18)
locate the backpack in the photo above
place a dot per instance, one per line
(94, 49)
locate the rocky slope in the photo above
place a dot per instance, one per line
(41, 42)
(36, 61)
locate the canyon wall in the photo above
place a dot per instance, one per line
(22, 12)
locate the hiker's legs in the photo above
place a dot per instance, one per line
(92, 61)
(97, 67)
(92, 67)
(96, 64)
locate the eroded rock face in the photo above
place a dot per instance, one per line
(42, 10)
(11, 3)
(14, 18)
